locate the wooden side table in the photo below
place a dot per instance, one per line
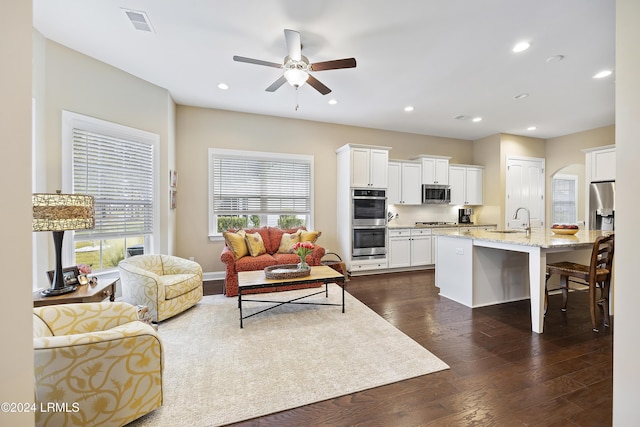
(84, 293)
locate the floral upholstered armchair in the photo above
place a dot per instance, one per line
(96, 363)
(166, 284)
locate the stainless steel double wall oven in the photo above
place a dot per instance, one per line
(369, 223)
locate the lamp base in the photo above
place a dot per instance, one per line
(51, 292)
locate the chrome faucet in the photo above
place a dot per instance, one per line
(528, 223)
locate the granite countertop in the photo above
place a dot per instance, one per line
(449, 225)
(542, 238)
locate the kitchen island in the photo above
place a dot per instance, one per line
(485, 267)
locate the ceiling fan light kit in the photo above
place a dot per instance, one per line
(297, 67)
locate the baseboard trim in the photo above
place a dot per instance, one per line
(213, 275)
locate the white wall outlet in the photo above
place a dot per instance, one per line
(192, 258)
(459, 251)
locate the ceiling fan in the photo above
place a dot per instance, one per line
(297, 67)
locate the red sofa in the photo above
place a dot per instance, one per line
(271, 237)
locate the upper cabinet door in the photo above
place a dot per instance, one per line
(435, 171)
(360, 167)
(474, 184)
(379, 175)
(603, 165)
(411, 183)
(457, 181)
(395, 184)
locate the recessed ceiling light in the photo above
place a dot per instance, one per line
(223, 86)
(408, 108)
(333, 101)
(532, 128)
(555, 58)
(476, 119)
(521, 96)
(602, 74)
(520, 47)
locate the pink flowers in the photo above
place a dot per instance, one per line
(84, 269)
(302, 249)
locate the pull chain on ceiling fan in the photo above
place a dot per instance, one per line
(297, 67)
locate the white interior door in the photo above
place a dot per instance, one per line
(525, 188)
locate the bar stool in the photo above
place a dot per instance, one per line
(596, 275)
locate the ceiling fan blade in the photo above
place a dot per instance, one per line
(275, 85)
(256, 61)
(335, 64)
(317, 85)
(293, 44)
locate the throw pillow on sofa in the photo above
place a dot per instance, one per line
(255, 244)
(287, 241)
(309, 236)
(236, 243)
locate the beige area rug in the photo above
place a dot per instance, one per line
(216, 373)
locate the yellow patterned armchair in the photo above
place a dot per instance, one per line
(95, 364)
(166, 284)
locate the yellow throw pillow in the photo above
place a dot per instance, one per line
(309, 236)
(236, 243)
(255, 244)
(287, 241)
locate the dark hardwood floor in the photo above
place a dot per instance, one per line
(502, 374)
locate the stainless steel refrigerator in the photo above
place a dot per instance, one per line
(602, 205)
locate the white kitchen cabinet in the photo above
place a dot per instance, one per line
(421, 247)
(369, 167)
(409, 248)
(399, 251)
(466, 184)
(435, 170)
(603, 165)
(404, 183)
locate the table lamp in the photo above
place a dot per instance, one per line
(57, 213)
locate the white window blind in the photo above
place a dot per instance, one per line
(565, 198)
(118, 172)
(260, 185)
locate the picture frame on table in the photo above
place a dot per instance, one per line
(69, 275)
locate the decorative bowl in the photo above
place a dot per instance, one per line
(565, 231)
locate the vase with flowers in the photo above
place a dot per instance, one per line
(302, 249)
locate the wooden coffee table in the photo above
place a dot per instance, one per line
(248, 280)
(84, 293)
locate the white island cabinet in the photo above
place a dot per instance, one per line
(485, 267)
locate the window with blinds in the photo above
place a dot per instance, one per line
(565, 199)
(249, 189)
(118, 166)
(119, 174)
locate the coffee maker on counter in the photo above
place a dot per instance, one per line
(464, 216)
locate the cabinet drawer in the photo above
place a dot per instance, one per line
(421, 232)
(399, 232)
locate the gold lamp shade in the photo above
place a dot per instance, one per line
(57, 213)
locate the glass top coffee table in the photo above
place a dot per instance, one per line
(248, 280)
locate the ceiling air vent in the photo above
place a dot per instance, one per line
(139, 20)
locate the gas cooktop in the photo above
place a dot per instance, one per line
(427, 223)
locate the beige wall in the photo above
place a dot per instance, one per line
(626, 370)
(199, 129)
(16, 369)
(492, 152)
(78, 83)
(565, 155)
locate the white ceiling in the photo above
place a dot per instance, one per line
(444, 57)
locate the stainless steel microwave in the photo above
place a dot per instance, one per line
(436, 194)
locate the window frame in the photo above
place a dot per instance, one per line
(252, 155)
(71, 120)
(564, 177)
